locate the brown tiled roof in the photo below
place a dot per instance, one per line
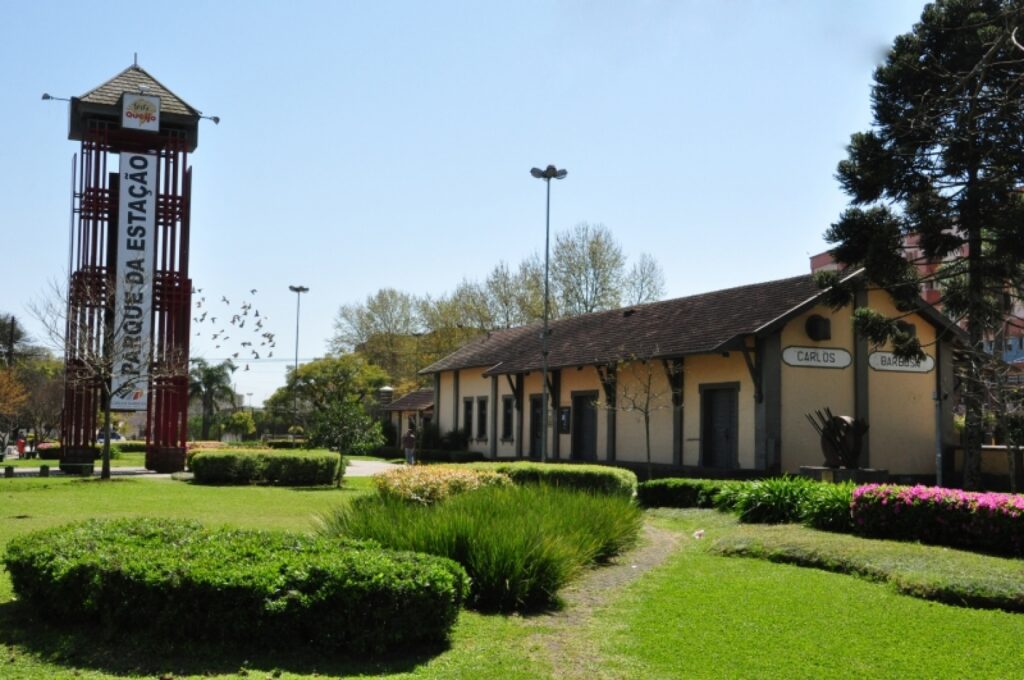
(129, 80)
(414, 401)
(696, 324)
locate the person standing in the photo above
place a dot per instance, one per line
(409, 444)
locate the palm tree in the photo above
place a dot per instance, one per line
(211, 385)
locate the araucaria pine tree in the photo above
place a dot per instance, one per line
(943, 163)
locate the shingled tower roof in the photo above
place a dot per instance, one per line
(100, 108)
(137, 79)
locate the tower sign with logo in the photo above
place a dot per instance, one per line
(129, 293)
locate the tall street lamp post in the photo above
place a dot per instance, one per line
(547, 174)
(298, 290)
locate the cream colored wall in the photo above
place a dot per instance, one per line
(506, 449)
(531, 386)
(805, 389)
(707, 369)
(901, 412)
(583, 380)
(473, 384)
(443, 403)
(629, 425)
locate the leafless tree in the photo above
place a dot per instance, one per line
(98, 347)
(645, 281)
(587, 269)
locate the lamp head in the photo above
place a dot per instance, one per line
(548, 173)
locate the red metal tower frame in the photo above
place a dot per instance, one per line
(96, 122)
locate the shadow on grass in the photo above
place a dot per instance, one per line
(139, 654)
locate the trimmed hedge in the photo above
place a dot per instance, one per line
(48, 451)
(987, 522)
(787, 499)
(298, 443)
(263, 466)
(130, 446)
(180, 580)
(594, 478)
(681, 492)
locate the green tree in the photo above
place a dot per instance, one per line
(944, 161)
(240, 423)
(12, 398)
(43, 379)
(211, 387)
(382, 328)
(335, 395)
(15, 343)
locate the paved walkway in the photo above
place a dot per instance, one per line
(356, 468)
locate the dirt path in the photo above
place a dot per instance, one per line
(564, 643)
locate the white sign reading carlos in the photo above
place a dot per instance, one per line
(817, 357)
(133, 301)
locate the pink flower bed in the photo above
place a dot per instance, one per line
(988, 522)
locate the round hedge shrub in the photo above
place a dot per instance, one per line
(180, 580)
(264, 466)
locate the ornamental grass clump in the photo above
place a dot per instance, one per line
(431, 484)
(827, 507)
(773, 501)
(178, 580)
(519, 544)
(986, 522)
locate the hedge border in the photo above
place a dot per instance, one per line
(266, 466)
(180, 580)
(582, 477)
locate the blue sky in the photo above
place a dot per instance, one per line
(388, 144)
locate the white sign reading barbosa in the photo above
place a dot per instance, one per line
(887, 361)
(140, 112)
(817, 357)
(133, 302)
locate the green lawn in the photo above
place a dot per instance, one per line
(124, 460)
(699, 614)
(707, 616)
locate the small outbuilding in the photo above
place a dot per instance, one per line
(415, 409)
(720, 383)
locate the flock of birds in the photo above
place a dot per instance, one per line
(248, 314)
